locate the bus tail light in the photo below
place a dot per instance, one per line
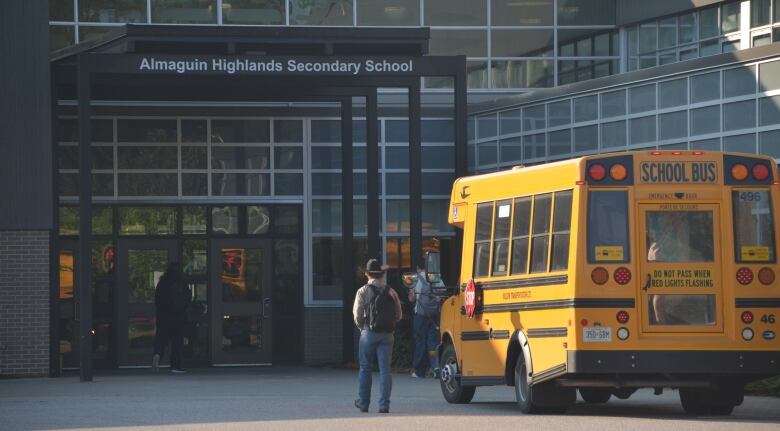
(622, 316)
(739, 172)
(766, 276)
(618, 172)
(747, 334)
(744, 275)
(698, 153)
(597, 172)
(622, 275)
(760, 172)
(599, 275)
(747, 317)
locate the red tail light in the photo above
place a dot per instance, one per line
(622, 275)
(744, 275)
(760, 172)
(747, 317)
(622, 316)
(766, 276)
(597, 172)
(599, 275)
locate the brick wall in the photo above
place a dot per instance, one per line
(322, 336)
(24, 303)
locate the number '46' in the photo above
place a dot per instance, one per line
(768, 318)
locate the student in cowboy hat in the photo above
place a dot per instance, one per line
(376, 311)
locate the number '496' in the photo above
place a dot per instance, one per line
(768, 318)
(750, 196)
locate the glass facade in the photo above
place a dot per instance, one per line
(727, 108)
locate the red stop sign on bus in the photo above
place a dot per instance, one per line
(470, 298)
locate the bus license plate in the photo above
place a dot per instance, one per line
(597, 333)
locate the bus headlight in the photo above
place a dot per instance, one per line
(747, 334)
(623, 333)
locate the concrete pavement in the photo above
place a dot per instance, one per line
(310, 398)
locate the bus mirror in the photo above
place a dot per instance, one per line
(408, 279)
(433, 266)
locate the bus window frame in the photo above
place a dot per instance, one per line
(737, 258)
(591, 247)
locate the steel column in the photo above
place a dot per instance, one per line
(84, 282)
(415, 174)
(372, 150)
(349, 265)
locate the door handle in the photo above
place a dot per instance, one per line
(647, 284)
(266, 308)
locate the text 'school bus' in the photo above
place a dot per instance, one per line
(609, 273)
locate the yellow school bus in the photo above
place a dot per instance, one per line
(609, 273)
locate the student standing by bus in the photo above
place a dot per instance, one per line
(426, 325)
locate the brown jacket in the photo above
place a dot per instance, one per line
(360, 306)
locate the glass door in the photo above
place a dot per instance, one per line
(68, 320)
(241, 297)
(141, 264)
(680, 261)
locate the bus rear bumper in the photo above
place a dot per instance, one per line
(673, 362)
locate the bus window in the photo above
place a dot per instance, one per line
(541, 232)
(521, 227)
(482, 239)
(501, 237)
(682, 309)
(561, 230)
(608, 227)
(679, 236)
(753, 231)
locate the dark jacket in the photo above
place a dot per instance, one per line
(171, 299)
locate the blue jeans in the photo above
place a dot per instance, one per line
(377, 345)
(426, 338)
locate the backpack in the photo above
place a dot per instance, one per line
(380, 313)
(427, 304)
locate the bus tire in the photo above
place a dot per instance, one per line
(595, 395)
(707, 401)
(523, 391)
(453, 391)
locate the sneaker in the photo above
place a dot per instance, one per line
(178, 370)
(360, 407)
(436, 373)
(416, 376)
(156, 363)
(384, 410)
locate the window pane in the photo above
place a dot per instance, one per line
(737, 82)
(706, 144)
(520, 256)
(326, 216)
(388, 13)
(769, 74)
(534, 146)
(472, 43)
(434, 215)
(147, 157)
(586, 12)
(264, 12)
(148, 185)
(61, 36)
(759, 12)
(708, 23)
(673, 125)
(522, 73)
(769, 143)
(481, 259)
(437, 157)
(753, 226)
(60, 10)
(484, 222)
(487, 153)
(613, 104)
(244, 131)
(648, 34)
(560, 142)
(321, 12)
(642, 98)
(539, 253)
(184, 11)
(560, 252)
(510, 12)
(398, 216)
(613, 134)
(739, 115)
(500, 257)
(608, 226)
(194, 158)
(288, 184)
(642, 129)
(396, 184)
(288, 158)
(586, 108)
(562, 216)
(705, 120)
(326, 157)
(326, 131)
(147, 221)
(521, 43)
(740, 143)
(240, 157)
(510, 121)
(397, 157)
(522, 217)
(511, 150)
(667, 33)
(501, 221)
(325, 184)
(288, 131)
(672, 93)
(729, 17)
(327, 268)
(586, 138)
(240, 184)
(194, 184)
(146, 131)
(194, 220)
(455, 12)
(112, 11)
(487, 126)
(682, 309)
(705, 87)
(687, 28)
(437, 131)
(679, 236)
(542, 207)
(534, 118)
(559, 113)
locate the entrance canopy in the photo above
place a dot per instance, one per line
(158, 63)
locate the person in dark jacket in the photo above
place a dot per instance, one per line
(171, 298)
